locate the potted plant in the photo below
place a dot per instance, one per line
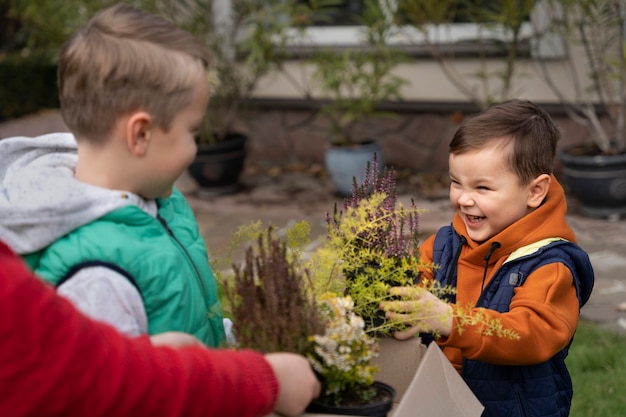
(246, 38)
(596, 170)
(342, 357)
(347, 86)
(375, 239)
(275, 308)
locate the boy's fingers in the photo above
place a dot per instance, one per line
(406, 334)
(406, 291)
(399, 318)
(398, 306)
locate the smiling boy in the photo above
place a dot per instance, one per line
(510, 254)
(96, 212)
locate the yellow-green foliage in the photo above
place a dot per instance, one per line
(349, 262)
(372, 273)
(275, 308)
(465, 317)
(480, 320)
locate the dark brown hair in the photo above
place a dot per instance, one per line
(531, 130)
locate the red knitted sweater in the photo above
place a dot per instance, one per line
(56, 362)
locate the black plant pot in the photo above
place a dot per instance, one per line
(379, 407)
(217, 166)
(598, 182)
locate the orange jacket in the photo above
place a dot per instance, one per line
(544, 311)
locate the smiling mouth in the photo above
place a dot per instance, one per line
(474, 219)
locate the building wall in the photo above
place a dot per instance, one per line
(414, 140)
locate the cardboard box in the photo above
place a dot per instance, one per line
(426, 383)
(398, 362)
(437, 390)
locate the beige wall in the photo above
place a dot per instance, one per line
(427, 82)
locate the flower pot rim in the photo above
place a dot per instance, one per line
(232, 140)
(369, 143)
(592, 159)
(354, 408)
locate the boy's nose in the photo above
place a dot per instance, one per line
(465, 199)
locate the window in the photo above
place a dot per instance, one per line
(339, 26)
(459, 11)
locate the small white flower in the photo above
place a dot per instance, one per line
(344, 348)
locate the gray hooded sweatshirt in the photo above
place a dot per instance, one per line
(41, 201)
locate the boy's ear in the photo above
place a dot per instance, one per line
(139, 127)
(538, 189)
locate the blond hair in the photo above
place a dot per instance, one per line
(124, 60)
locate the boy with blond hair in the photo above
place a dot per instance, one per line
(510, 255)
(96, 212)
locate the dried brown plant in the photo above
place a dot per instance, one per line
(273, 304)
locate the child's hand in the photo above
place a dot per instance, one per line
(425, 312)
(297, 383)
(174, 339)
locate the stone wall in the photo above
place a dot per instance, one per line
(417, 141)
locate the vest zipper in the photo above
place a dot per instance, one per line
(184, 249)
(492, 249)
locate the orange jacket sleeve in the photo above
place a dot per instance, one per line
(544, 312)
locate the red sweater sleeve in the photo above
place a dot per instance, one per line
(55, 361)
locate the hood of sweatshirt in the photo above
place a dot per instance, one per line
(547, 221)
(40, 200)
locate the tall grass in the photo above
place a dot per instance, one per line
(597, 363)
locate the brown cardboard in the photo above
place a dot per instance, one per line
(435, 388)
(397, 362)
(438, 390)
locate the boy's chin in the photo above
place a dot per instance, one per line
(476, 236)
(167, 193)
(163, 194)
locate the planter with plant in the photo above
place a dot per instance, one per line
(275, 308)
(595, 171)
(346, 86)
(246, 38)
(375, 240)
(342, 357)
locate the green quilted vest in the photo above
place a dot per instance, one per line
(166, 257)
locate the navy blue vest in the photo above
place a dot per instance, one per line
(543, 389)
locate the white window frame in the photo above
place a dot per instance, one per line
(448, 34)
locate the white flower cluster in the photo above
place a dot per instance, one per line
(344, 348)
